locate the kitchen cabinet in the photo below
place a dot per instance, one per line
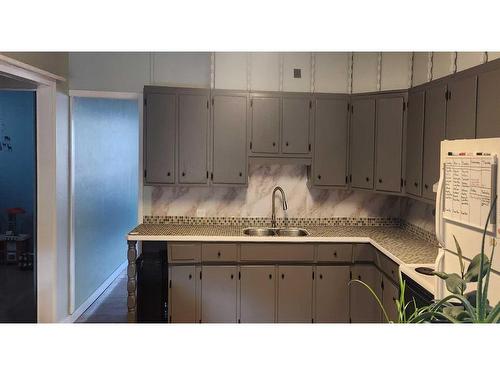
(160, 133)
(332, 294)
(229, 164)
(265, 121)
(390, 294)
(488, 110)
(461, 108)
(219, 294)
(363, 305)
(389, 143)
(183, 296)
(193, 135)
(296, 115)
(295, 289)
(415, 142)
(330, 140)
(434, 133)
(257, 294)
(362, 140)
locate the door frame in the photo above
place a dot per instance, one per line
(72, 310)
(46, 235)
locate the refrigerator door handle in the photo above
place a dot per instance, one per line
(439, 209)
(439, 266)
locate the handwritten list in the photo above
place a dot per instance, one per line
(469, 186)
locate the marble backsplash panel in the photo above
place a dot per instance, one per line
(418, 213)
(255, 200)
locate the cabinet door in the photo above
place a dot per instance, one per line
(257, 294)
(332, 294)
(161, 123)
(229, 139)
(488, 110)
(390, 293)
(461, 108)
(362, 143)
(193, 130)
(434, 128)
(295, 294)
(218, 294)
(265, 124)
(363, 305)
(330, 142)
(415, 142)
(389, 144)
(182, 294)
(296, 124)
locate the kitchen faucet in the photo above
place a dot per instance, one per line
(285, 206)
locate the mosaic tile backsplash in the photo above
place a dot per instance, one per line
(255, 199)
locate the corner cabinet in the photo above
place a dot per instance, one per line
(229, 119)
(331, 123)
(415, 142)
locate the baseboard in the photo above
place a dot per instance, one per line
(89, 301)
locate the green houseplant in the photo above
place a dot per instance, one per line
(459, 306)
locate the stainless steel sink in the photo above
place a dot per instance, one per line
(269, 232)
(259, 232)
(292, 232)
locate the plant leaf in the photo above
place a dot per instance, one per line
(472, 274)
(455, 284)
(441, 275)
(460, 257)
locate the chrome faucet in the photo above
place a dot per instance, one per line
(285, 206)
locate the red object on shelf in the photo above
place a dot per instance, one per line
(16, 210)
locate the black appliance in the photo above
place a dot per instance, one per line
(415, 291)
(152, 276)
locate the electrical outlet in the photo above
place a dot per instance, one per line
(200, 212)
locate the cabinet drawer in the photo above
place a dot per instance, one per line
(364, 252)
(390, 268)
(181, 252)
(219, 252)
(335, 252)
(277, 252)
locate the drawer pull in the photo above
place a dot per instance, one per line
(320, 276)
(335, 254)
(282, 275)
(190, 276)
(218, 254)
(270, 276)
(232, 276)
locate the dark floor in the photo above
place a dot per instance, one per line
(111, 306)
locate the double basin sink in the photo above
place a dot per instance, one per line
(280, 232)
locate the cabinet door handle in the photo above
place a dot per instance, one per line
(320, 276)
(232, 276)
(241, 174)
(319, 177)
(183, 173)
(335, 254)
(426, 186)
(359, 277)
(190, 276)
(270, 276)
(416, 184)
(286, 144)
(218, 254)
(368, 179)
(282, 275)
(168, 173)
(274, 144)
(380, 180)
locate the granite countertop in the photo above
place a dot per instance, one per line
(399, 244)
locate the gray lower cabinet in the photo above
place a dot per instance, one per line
(390, 294)
(389, 144)
(219, 294)
(461, 108)
(362, 139)
(415, 142)
(330, 141)
(229, 111)
(488, 109)
(182, 294)
(193, 136)
(434, 133)
(296, 115)
(332, 294)
(160, 133)
(265, 123)
(257, 294)
(295, 290)
(363, 306)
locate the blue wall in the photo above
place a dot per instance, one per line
(106, 141)
(17, 156)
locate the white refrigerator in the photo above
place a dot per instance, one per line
(466, 189)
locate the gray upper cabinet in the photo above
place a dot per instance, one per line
(414, 142)
(488, 108)
(434, 133)
(330, 141)
(229, 138)
(265, 123)
(193, 136)
(362, 142)
(160, 138)
(296, 114)
(389, 144)
(461, 108)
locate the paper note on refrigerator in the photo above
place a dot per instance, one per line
(469, 188)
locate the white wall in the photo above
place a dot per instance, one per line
(332, 72)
